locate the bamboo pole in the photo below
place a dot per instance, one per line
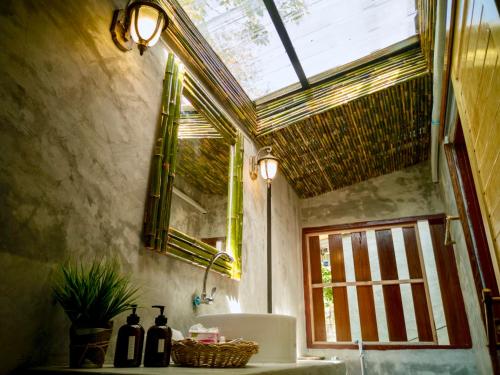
(186, 41)
(180, 253)
(167, 145)
(172, 157)
(156, 180)
(195, 249)
(235, 205)
(239, 225)
(158, 207)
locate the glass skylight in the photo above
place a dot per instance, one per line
(333, 33)
(244, 37)
(325, 34)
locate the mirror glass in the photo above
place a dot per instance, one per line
(199, 199)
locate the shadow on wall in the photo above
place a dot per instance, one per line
(408, 192)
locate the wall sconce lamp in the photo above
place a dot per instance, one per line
(267, 163)
(141, 23)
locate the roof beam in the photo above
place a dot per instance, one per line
(287, 43)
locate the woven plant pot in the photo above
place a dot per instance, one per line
(88, 346)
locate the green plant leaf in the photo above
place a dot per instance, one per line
(92, 295)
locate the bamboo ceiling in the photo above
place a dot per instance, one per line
(186, 42)
(366, 137)
(371, 120)
(204, 164)
(345, 87)
(194, 125)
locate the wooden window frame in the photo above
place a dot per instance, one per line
(377, 345)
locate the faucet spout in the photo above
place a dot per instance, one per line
(204, 298)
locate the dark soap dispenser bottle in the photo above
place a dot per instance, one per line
(158, 342)
(129, 343)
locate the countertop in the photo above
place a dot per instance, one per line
(299, 368)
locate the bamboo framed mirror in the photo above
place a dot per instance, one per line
(194, 204)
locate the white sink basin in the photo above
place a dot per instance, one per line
(275, 334)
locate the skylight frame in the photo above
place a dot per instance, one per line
(323, 77)
(303, 82)
(280, 27)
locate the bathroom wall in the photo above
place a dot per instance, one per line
(214, 223)
(183, 216)
(286, 255)
(408, 192)
(190, 220)
(77, 128)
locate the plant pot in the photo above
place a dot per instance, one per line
(88, 346)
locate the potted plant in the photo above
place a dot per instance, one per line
(92, 296)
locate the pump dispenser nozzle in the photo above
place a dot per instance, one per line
(133, 318)
(161, 320)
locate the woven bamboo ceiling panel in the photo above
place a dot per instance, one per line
(204, 163)
(193, 125)
(341, 89)
(373, 135)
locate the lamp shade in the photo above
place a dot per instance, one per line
(268, 167)
(147, 21)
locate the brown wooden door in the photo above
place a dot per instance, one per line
(470, 214)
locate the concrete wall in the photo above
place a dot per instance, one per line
(77, 127)
(214, 222)
(287, 260)
(188, 219)
(408, 192)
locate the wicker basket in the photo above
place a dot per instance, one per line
(194, 354)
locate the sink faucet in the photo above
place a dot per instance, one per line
(197, 300)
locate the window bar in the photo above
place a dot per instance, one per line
(287, 43)
(429, 264)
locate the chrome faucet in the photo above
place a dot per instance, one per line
(197, 300)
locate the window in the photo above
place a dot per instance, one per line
(333, 33)
(391, 284)
(244, 37)
(325, 34)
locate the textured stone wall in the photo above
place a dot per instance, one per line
(287, 261)
(184, 217)
(214, 222)
(408, 192)
(190, 220)
(77, 129)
